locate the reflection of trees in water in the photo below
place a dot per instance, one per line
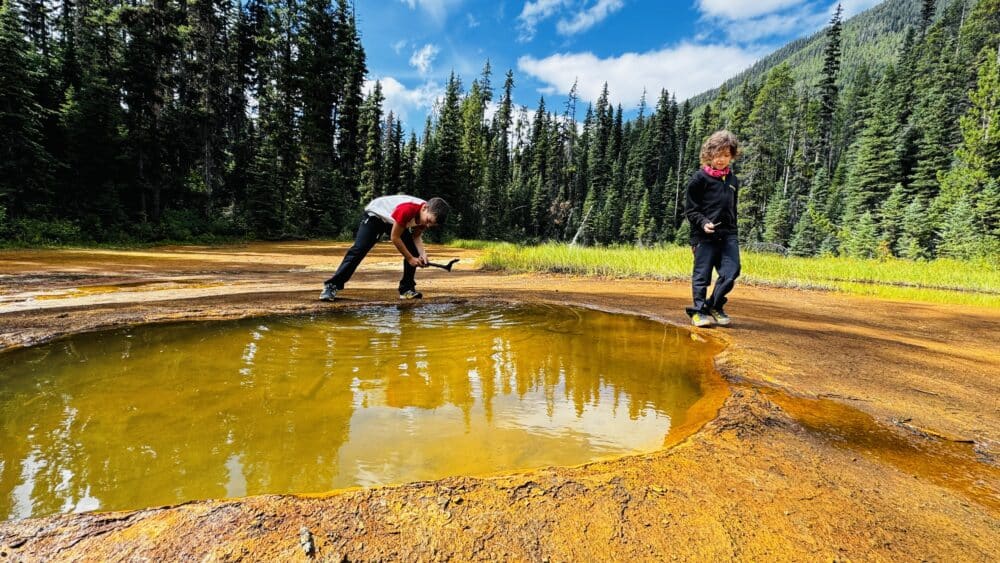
(128, 443)
(566, 354)
(269, 409)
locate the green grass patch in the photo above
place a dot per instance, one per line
(940, 281)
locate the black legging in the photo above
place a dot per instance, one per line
(370, 230)
(723, 255)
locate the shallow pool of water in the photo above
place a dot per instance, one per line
(157, 415)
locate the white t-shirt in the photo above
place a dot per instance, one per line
(392, 207)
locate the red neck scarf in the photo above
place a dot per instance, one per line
(715, 173)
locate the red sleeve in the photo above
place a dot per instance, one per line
(405, 212)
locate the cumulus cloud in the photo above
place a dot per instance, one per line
(586, 19)
(533, 13)
(743, 9)
(746, 22)
(853, 7)
(403, 101)
(536, 11)
(437, 9)
(799, 23)
(423, 58)
(684, 70)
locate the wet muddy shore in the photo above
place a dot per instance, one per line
(846, 427)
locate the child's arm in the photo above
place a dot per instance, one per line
(693, 204)
(396, 236)
(418, 241)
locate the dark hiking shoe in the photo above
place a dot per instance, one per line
(702, 320)
(411, 294)
(329, 292)
(721, 318)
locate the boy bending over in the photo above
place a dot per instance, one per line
(404, 218)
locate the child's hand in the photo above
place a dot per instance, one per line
(415, 262)
(709, 228)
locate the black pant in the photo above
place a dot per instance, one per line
(722, 254)
(370, 231)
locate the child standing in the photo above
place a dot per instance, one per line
(404, 218)
(711, 208)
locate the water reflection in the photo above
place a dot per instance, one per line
(160, 415)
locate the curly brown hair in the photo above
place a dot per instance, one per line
(718, 142)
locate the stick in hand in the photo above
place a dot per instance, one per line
(444, 266)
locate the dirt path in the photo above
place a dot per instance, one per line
(855, 428)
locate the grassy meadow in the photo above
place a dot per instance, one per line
(939, 281)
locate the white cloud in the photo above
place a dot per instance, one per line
(684, 70)
(742, 9)
(748, 22)
(403, 102)
(471, 19)
(437, 9)
(398, 46)
(590, 17)
(745, 22)
(854, 7)
(533, 13)
(423, 58)
(796, 23)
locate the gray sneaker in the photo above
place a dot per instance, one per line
(721, 318)
(329, 292)
(411, 294)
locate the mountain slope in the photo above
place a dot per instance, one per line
(873, 37)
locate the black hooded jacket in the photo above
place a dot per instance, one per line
(711, 200)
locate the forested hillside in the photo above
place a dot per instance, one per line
(171, 120)
(871, 39)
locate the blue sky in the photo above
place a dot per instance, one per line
(685, 46)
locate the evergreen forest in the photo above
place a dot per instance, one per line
(150, 120)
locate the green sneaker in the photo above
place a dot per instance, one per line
(702, 320)
(411, 294)
(721, 318)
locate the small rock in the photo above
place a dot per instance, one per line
(306, 541)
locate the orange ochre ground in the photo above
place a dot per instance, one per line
(840, 428)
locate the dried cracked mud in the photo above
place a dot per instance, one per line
(842, 428)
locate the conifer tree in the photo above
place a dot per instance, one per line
(25, 165)
(891, 219)
(766, 150)
(393, 174)
(976, 168)
(938, 102)
(371, 127)
(320, 64)
(475, 148)
(828, 88)
(450, 166)
(927, 10)
(205, 48)
(492, 221)
(917, 231)
(874, 169)
(777, 223)
(407, 174)
(960, 235)
(860, 238)
(350, 98)
(93, 123)
(646, 223)
(809, 233)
